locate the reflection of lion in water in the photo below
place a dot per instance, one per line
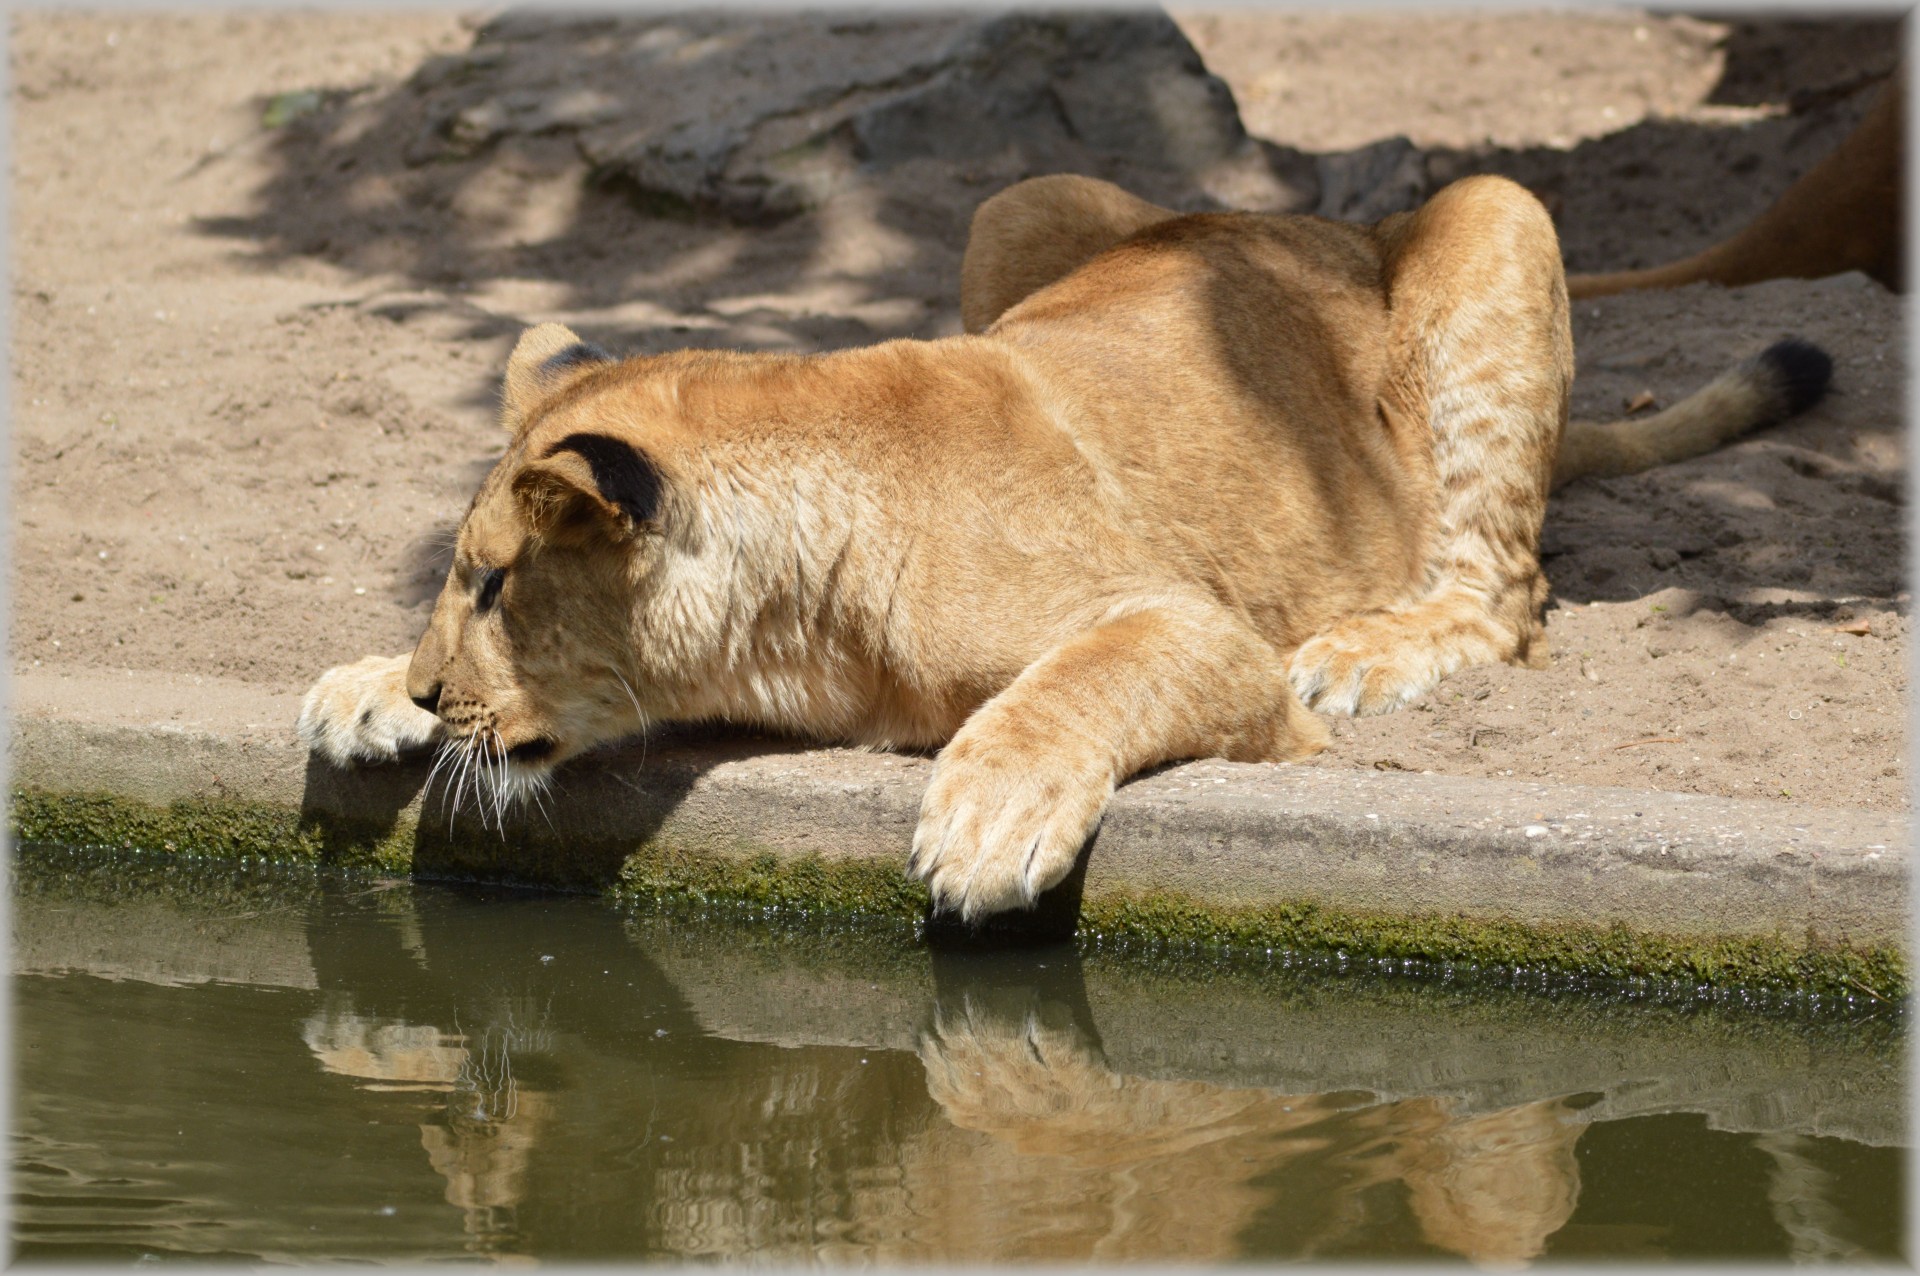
(1188, 477)
(1181, 1168)
(1069, 1159)
(482, 1137)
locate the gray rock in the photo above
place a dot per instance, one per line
(698, 109)
(759, 116)
(1125, 84)
(1372, 182)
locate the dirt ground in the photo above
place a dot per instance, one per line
(254, 358)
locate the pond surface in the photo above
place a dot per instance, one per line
(220, 1062)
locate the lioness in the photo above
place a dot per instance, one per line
(1184, 477)
(1845, 213)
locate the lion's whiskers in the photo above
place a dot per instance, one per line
(638, 712)
(497, 772)
(476, 763)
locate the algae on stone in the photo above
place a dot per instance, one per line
(745, 874)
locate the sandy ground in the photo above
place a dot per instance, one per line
(253, 366)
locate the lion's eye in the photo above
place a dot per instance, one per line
(490, 580)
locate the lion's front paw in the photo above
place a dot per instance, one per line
(1000, 824)
(360, 713)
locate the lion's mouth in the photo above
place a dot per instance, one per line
(532, 752)
(485, 744)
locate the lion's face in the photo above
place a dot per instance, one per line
(529, 658)
(522, 653)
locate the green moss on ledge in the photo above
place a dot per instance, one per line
(214, 828)
(1613, 952)
(747, 874)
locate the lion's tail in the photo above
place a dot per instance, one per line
(1783, 380)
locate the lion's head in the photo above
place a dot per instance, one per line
(668, 538)
(534, 652)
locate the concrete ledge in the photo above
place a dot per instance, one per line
(1596, 881)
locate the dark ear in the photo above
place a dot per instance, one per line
(587, 482)
(547, 358)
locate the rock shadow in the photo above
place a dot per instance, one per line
(1801, 61)
(637, 166)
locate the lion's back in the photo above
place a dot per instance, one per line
(1230, 366)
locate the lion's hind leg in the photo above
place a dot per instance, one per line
(1481, 361)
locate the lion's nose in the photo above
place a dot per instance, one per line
(431, 701)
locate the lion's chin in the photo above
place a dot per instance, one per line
(481, 769)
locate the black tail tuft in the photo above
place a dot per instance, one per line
(1800, 372)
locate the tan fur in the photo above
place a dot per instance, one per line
(1845, 213)
(1188, 475)
(1725, 409)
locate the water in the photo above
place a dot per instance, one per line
(246, 1063)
